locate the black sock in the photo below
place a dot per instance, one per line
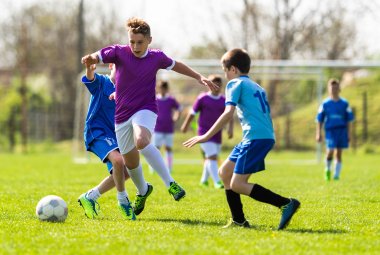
(236, 207)
(262, 194)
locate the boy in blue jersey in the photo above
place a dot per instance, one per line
(100, 138)
(336, 115)
(258, 139)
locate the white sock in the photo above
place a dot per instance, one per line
(154, 158)
(328, 164)
(138, 179)
(169, 160)
(93, 194)
(122, 197)
(338, 167)
(213, 170)
(205, 173)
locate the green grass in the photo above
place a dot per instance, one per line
(335, 218)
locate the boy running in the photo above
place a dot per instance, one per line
(336, 115)
(209, 106)
(100, 138)
(136, 108)
(258, 139)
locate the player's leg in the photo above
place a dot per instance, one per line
(205, 173)
(330, 147)
(101, 147)
(143, 125)
(233, 198)
(338, 163)
(168, 140)
(212, 150)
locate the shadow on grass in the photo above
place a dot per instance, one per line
(206, 223)
(316, 231)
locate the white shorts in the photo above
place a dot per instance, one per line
(160, 139)
(211, 148)
(124, 131)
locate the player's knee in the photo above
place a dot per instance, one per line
(141, 143)
(118, 164)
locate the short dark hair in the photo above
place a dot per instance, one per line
(138, 26)
(163, 84)
(238, 58)
(215, 78)
(333, 81)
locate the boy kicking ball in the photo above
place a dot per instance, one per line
(258, 139)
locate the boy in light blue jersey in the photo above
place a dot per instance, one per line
(100, 138)
(336, 115)
(258, 139)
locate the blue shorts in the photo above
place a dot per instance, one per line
(337, 138)
(101, 147)
(249, 156)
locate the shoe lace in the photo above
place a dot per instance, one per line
(127, 209)
(174, 188)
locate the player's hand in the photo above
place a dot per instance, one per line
(230, 134)
(89, 60)
(212, 86)
(318, 138)
(194, 140)
(112, 96)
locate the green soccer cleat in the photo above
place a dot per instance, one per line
(91, 207)
(127, 211)
(327, 175)
(176, 191)
(219, 185)
(288, 211)
(139, 203)
(231, 224)
(204, 184)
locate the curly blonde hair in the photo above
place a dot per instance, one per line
(138, 26)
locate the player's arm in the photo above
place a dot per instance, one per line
(230, 128)
(186, 123)
(90, 72)
(226, 116)
(176, 115)
(318, 135)
(181, 68)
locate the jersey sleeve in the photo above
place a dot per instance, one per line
(349, 114)
(165, 61)
(197, 104)
(233, 92)
(108, 54)
(176, 105)
(321, 114)
(94, 85)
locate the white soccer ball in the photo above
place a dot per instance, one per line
(52, 208)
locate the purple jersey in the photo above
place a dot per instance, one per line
(166, 105)
(135, 79)
(210, 108)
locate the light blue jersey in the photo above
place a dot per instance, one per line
(335, 114)
(101, 110)
(252, 108)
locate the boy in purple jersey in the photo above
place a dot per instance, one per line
(169, 111)
(136, 108)
(336, 116)
(210, 106)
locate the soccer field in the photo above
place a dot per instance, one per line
(335, 218)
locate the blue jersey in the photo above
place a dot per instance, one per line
(100, 120)
(252, 108)
(335, 114)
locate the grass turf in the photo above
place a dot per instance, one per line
(335, 218)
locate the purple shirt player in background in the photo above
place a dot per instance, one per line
(209, 106)
(136, 110)
(169, 111)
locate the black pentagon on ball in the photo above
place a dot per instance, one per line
(53, 219)
(54, 202)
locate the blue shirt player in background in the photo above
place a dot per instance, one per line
(248, 156)
(336, 115)
(100, 138)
